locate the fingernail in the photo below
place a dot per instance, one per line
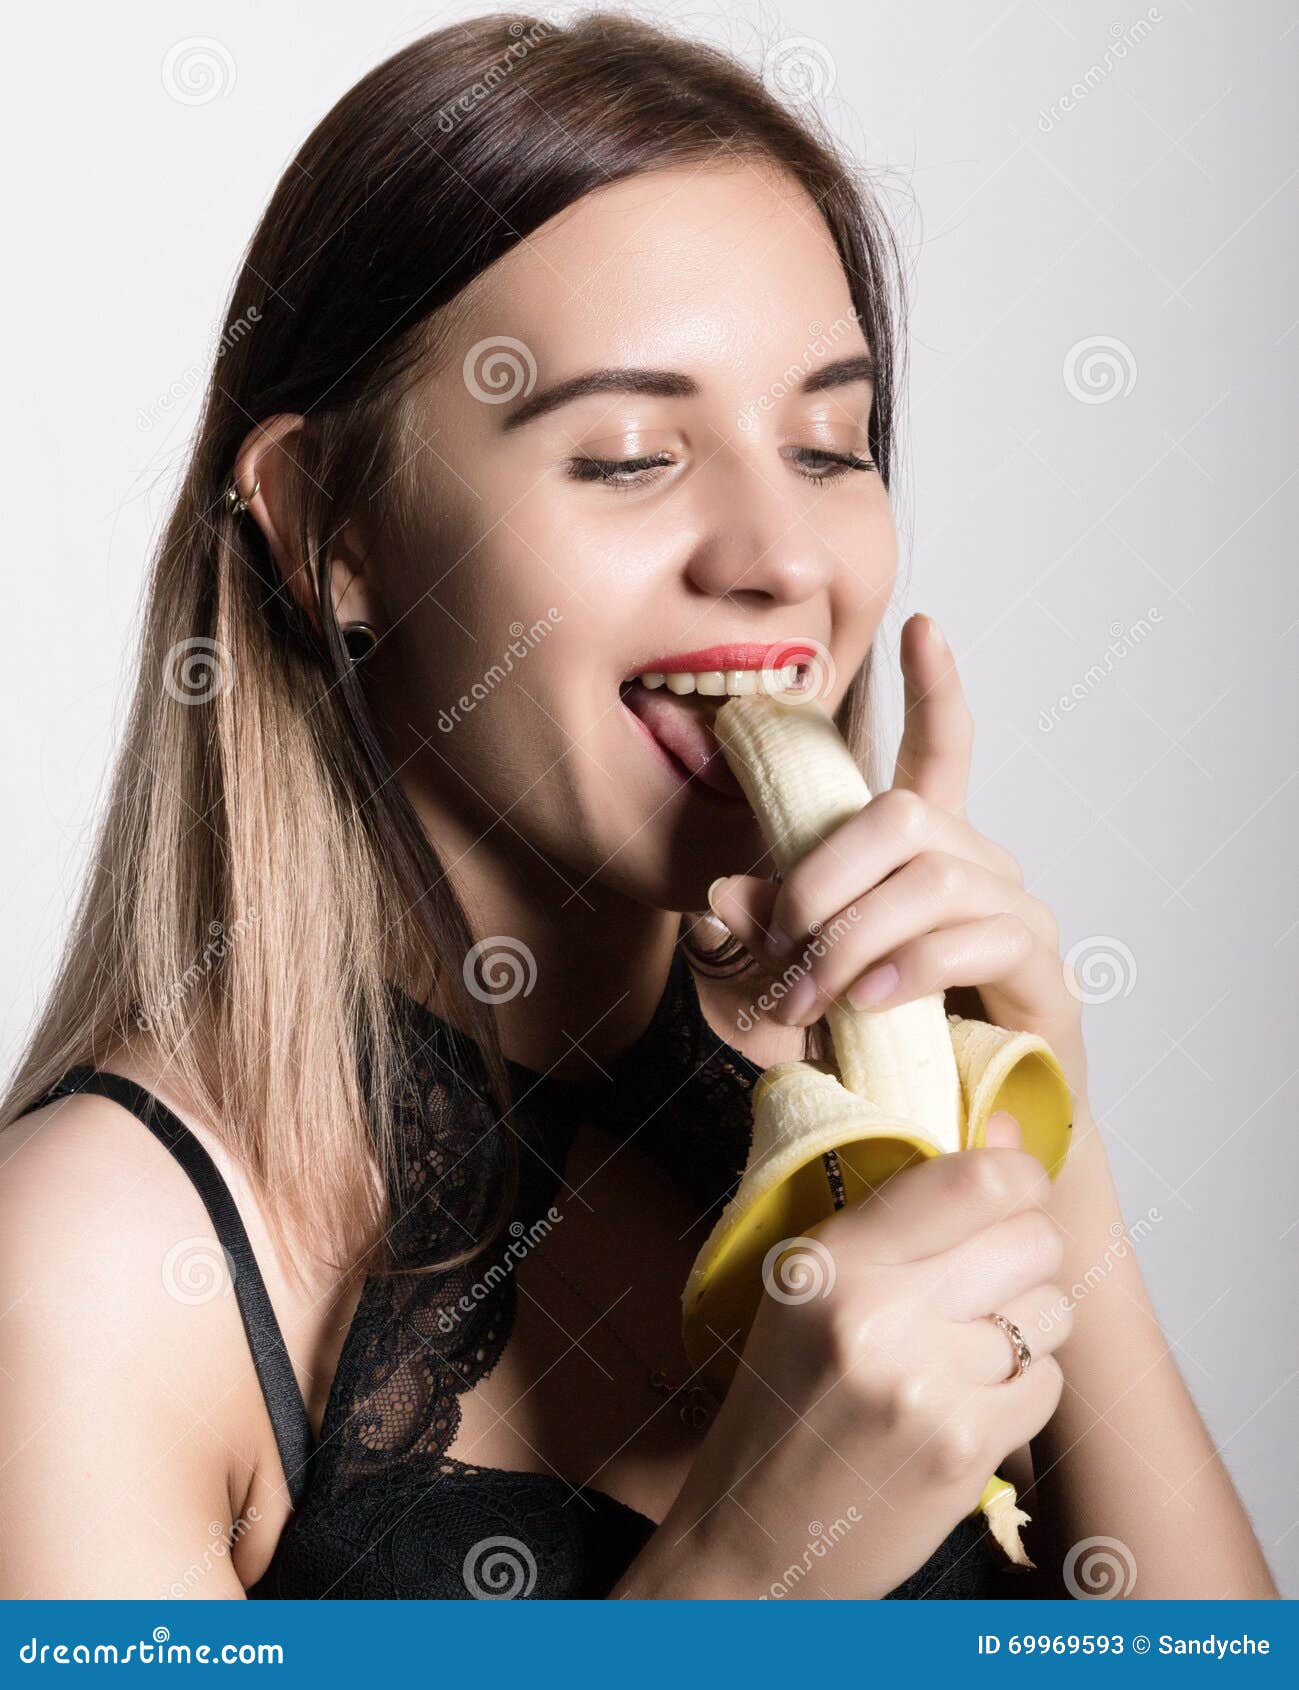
(874, 987)
(797, 1000)
(935, 634)
(720, 881)
(1002, 1131)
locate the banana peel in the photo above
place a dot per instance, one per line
(801, 1114)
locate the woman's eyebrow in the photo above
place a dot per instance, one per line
(670, 384)
(861, 366)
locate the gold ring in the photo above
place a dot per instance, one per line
(1018, 1343)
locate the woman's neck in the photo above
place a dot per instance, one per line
(573, 972)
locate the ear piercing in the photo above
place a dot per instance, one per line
(360, 639)
(236, 504)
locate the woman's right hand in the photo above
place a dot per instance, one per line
(864, 1422)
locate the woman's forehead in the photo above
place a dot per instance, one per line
(718, 267)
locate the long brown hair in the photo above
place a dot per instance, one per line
(258, 857)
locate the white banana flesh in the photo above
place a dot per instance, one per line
(802, 784)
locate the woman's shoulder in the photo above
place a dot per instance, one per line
(86, 1186)
(119, 1349)
(105, 1243)
(82, 1173)
(123, 1310)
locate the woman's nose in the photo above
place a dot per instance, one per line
(757, 539)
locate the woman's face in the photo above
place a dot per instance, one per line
(544, 579)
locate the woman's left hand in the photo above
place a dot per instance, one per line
(925, 901)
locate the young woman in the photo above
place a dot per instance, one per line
(396, 1070)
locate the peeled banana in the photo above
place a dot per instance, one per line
(906, 1084)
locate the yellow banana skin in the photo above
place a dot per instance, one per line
(907, 1083)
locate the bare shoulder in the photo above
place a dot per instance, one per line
(118, 1341)
(92, 1205)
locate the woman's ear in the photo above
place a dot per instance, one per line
(267, 460)
(351, 584)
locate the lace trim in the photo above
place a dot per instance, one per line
(418, 1343)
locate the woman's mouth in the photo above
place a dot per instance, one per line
(673, 702)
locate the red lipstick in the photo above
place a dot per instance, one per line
(743, 655)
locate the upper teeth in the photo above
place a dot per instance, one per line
(717, 683)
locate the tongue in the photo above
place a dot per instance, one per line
(680, 729)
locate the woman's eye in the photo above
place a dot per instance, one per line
(615, 472)
(820, 466)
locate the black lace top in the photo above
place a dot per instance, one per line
(381, 1510)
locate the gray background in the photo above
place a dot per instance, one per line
(1113, 523)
